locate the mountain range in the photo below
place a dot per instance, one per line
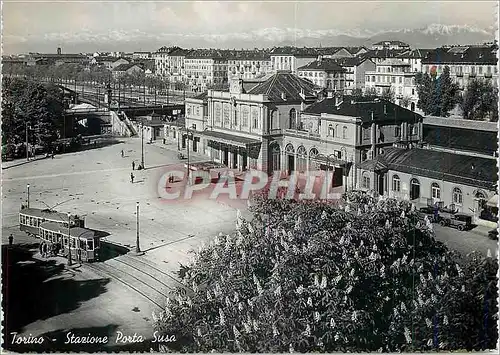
(432, 36)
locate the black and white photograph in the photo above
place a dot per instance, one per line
(249, 176)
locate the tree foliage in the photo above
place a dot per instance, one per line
(364, 275)
(27, 103)
(437, 96)
(480, 101)
(388, 94)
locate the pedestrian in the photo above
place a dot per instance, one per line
(41, 248)
(44, 250)
(132, 178)
(122, 153)
(11, 239)
(163, 140)
(52, 154)
(133, 165)
(218, 176)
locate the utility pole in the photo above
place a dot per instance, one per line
(27, 148)
(142, 143)
(144, 91)
(70, 262)
(28, 195)
(137, 248)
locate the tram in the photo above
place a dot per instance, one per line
(61, 233)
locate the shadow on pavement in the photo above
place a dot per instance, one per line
(37, 290)
(110, 251)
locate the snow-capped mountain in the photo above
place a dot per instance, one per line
(432, 36)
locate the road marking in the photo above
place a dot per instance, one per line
(65, 174)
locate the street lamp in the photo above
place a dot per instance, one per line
(27, 148)
(70, 262)
(137, 248)
(188, 137)
(28, 195)
(142, 143)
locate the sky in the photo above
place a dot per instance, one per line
(42, 26)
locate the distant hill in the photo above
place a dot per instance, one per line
(429, 37)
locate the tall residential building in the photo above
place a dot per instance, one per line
(169, 63)
(204, 68)
(292, 58)
(390, 45)
(355, 69)
(414, 58)
(465, 63)
(325, 73)
(248, 64)
(395, 75)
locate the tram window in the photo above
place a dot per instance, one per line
(91, 244)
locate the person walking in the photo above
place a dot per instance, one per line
(41, 248)
(133, 165)
(132, 178)
(11, 239)
(122, 153)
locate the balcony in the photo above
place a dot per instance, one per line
(383, 84)
(302, 133)
(460, 74)
(472, 75)
(276, 131)
(488, 75)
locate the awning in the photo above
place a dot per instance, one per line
(231, 139)
(493, 201)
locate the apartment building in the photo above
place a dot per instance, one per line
(292, 58)
(414, 58)
(395, 75)
(465, 63)
(169, 63)
(325, 73)
(204, 68)
(248, 64)
(355, 69)
(398, 45)
(379, 55)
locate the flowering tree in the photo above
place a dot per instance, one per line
(361, 275)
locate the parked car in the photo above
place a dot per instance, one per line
(493, 234)
(429, 212)
(461, 221)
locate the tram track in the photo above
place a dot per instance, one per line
(152, 295)
(156, 270)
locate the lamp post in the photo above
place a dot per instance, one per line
(142, 143)
(28, 195)
(27, 148)
(70, 262)
(137, 248)
(188, 137)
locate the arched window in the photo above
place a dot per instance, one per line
(480, 195)
(301, 158)
(289, 149)
(457, 196)
(344, 132)
(313, 152)
(292, 121)
(435, 190)
(414, 189)
(313, 165)
(396, 183)
(331, 131)
(366, 183)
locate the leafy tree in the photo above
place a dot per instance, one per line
(480, 101)
(405, 101)
(437, 96)
(370, 91)
(361, 275)
(34, 105)
(388, 94)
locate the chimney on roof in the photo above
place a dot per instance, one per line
(59, 51)
(338, 101)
